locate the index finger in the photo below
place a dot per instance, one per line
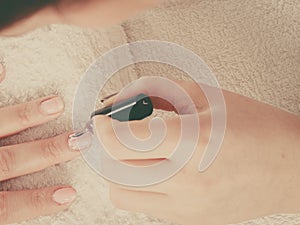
(107, 136)
(166, 94)
(105, 131)
(14, 119)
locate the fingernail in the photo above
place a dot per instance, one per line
(80, 141)
(64, 196)
(52, 106)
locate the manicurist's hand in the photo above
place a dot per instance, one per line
(256, 172)
(25, 158)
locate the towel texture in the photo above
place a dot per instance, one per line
(253, 48)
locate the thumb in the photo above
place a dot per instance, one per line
(166, 94)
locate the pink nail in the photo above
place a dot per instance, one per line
(64, 195)
(80, 141)
(52, 106)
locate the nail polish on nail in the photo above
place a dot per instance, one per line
(80, 141)
(52, 106)
(64, 196)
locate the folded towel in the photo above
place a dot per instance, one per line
(42, 63)
(251, 46)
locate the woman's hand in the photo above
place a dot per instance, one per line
(20, 159)
(256, 172)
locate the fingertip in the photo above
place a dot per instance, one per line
(64, 195)
(52, 105)
(101, 120)
(79, 141)
(28, 204)
(102, 125)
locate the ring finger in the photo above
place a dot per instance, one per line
(17, 160)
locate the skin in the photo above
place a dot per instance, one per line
(30, 157)
(92, 14)
(25, 158)
(255, 173)
(233, 189)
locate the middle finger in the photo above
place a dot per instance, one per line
(21, 159)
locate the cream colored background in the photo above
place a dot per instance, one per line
(253, 47)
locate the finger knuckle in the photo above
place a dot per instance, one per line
(51, 149)
(3, 207)
(7, 163)
(24, 112)
(37, 199)
(143, 82)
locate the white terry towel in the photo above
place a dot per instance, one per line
(251, 46)
(52, 60)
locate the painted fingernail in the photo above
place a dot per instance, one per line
(80, 141)
(52, 106)
(64, 195)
